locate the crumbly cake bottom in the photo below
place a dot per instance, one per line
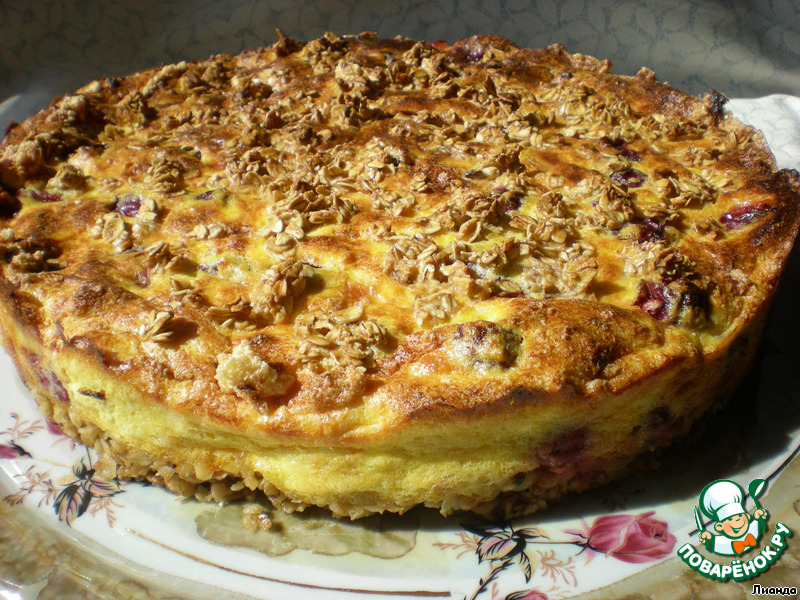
(529, 491)
(118, 459)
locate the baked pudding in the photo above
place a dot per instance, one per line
(369, 274)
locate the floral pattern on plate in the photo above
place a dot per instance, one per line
(70, 496)
(624, 533)
(637, 538)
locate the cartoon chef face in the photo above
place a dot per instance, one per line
(734, 526)
(723, 501)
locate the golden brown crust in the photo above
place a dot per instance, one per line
(358, 247)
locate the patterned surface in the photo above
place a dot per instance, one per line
(37, 561)
(742, 48)
(41, 558)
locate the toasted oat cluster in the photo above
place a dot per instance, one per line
(370, 274)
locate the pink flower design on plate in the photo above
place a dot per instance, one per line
(630, 538)
(12, 450)
(55, 430)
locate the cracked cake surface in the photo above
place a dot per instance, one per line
(370, 274)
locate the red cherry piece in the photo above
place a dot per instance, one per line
(654, 299)
(651, 230)
(629, 177)
(44, 196)
(744, 215)
(128, 205)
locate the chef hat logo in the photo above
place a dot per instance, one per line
(722, 499)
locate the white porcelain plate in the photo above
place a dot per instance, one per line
(601, 538)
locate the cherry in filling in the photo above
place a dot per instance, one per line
(629, 177)
(128, 205)
(44, 196)
(744, 215)
(655, 299)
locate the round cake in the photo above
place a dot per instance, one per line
(370, 274)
